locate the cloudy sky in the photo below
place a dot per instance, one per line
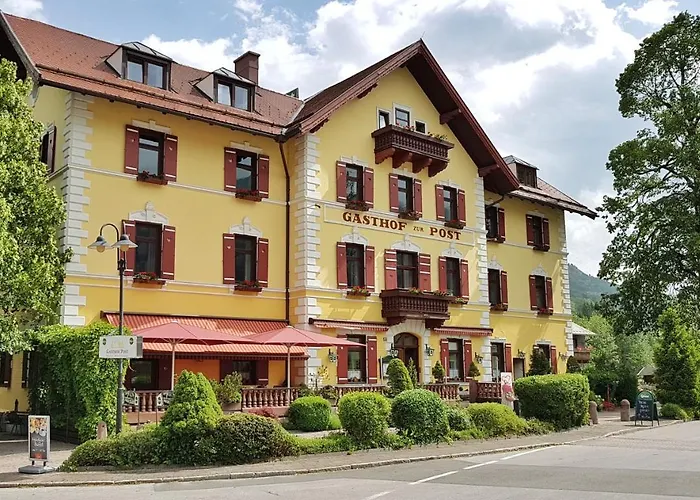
(538, 74)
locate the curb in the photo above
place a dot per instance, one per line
(298, 472)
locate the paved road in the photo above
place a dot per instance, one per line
(659, 463)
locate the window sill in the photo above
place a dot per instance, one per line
(545, 312)
(541, 248)
(248, 288)
(248, 195)
(499, 307)
(147, 281)
(359, 293)
(459, 301)
(409, 215)
(495, 239)
(360, 206)
(455, 224)
(151, 179)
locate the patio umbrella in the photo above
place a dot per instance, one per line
(175, 333)
(290, 337)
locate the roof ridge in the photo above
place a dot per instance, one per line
(36, 21)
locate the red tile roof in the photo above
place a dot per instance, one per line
(234, 327)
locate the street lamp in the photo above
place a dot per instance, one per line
(122, 244)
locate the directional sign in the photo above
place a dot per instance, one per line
(121, 347)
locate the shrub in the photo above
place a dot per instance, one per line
(244, 438)
(412, 373)
(627, 388)
(672, 410)
(398, 377)
(539, 363)
(439, 372)
(335, 424)
(534, 426)
(128, 449)
(310, 413)
(364, 416)
(420, 415)
(229, 390)
(572, 366)
(458, 418)
(473, 370)
(264, 412)
(597, 399)
(495, 420)
(332, 443)
(189, 420)
(328, 392)
(561, 400)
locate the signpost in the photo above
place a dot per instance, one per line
(645, 408)
(39, 437)
(121, 346)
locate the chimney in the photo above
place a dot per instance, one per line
(247, 66)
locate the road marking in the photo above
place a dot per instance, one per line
(476, 466)
(433, 477)
(525, 453)
(378, 495)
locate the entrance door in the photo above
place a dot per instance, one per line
(518, 368)
(407, 346)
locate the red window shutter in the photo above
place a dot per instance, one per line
(501, 224)
(51, 149)
(342, 352)
(342, 265)
(440, 202)
(508, 353)
(461, 206)
(369, 268)
(262, 372)
(368, 187)
(504, 289)
(550, 295)
(129, 228)
(442, 274)
(390, 277)
(131, 151)
(170, 158)
(341, 177)
(230, 159)
(418, 196)
(372, 360)
(445, 356)
(394, 193)
(263, 259)
(553, 358)
(167, 253)
(530, 230)
(467, 356)
(229, 256)
(264, 176)
(464, 278)
(424, 271)
(545, 233)
(533, 293)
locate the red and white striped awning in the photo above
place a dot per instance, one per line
(349, 325)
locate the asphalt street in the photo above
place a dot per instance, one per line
(659, 463)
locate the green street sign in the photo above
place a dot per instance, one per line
(646, 408)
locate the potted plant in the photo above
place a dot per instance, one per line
(441, 293)
(248, 286)
(439, 372)
(455, 224)
(248, 194)
(409, 215)
(499, 307)
(359, 291)
(359, 205)
(148, 278)
(228, 392)
(543, 311)
(460, 300)
(151, 178)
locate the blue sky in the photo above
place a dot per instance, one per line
(538, 74)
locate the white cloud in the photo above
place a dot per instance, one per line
(586, 239)
(653, 12)
(24, 8)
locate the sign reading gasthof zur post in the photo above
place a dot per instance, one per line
(121, 346)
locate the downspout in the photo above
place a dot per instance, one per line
(286, 228)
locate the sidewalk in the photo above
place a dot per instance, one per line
(10, 478)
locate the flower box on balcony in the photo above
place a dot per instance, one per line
(455, 224)
(410, 215)
(499, 307)
(248, 194)
(148, 279)
(248, 286)
(359, 291)
(399, 305)
(543, 311)
(460, 300)
(151, 178)
(359, 205)
(497, 239)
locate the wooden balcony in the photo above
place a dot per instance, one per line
(400, 305)
(448, 391)
(582, 354)
(403, 145)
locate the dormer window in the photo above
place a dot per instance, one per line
(143, 71)
(136, 62)
(234, 94)
(527, 176)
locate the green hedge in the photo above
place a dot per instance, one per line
(245, 438)
(364, 416)
(674, 411)
(496, 420)
(420, 415)
(458, 418)
(561, 400)
(398, 378)
(129, 449)
(310, 413)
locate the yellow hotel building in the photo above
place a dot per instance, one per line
(377, 210)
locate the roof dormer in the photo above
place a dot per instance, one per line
(526, 172)
(137, 62)
(225, 87)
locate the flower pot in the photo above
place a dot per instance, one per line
(145, 281)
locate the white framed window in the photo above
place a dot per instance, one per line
(383, 118)
(402, 117)
(421, 127)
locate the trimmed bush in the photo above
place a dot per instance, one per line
(473, 370)
(229, 390)
(129, 449)
(457, 418)
(439, 372)
(539, 362)
(561, 400)
(672, 410)
(310, 413)
(398, 377)
(420, 415)
(329, 444)
(495, 420)
(189, 421)
(364, 416)
(572, 366)
(244, 438)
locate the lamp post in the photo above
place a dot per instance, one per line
(122, 244)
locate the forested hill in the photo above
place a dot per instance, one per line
(586, 287)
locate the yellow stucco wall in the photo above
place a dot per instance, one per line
(8, 395)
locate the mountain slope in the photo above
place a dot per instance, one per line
(584, 286)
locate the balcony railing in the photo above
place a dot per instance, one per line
(272, 397)
(404, 145)
(400, 305)
(582, 354)
(448, 392)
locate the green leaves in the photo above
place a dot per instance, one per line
(31, 214)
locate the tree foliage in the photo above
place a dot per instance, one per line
(539, 363)
(654, 215)
(31, 213)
